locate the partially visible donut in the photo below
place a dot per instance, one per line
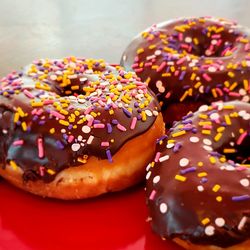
(188, 62)
(76, 128)
(198, 186)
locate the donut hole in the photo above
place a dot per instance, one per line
(235, 153)
(205, 41)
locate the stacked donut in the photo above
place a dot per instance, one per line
(198, 185)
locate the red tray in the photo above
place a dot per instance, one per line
(112, 222)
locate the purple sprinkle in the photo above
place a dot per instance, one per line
(41, 122)
(65, 137)
(59, 144)
(204, 180)
(187, 121)
(188, 170)
(136, 105)
(109, 156)
(241, 198)
(115, 122)
(139, 117)
(187, 116)
(182, 75)
(177, 147)
(109, 127)
(126, 112)
(35, 118)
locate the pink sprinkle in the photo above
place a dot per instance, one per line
(33, 112)
(176, 73)
(206, 77)
(168, 95)
(40, 147)
(138, 70)
(241, 138)
(152, 195)
(70, 138)
(105, 144)
(28, 94)
(41, 170)
(247, 47)
(234, 94)
(180, 36)
(18, 143)
(39, 111)
(207, 127)
(180, 61)
(241, 168)
(219, 91)
(148, 64)
(90, 121)
(120, 127)
(133, 123)
(47, 102)
(99, 125)
(161, 67)
(57, 115)
(135, 65)
(88, 110)
(157, 156)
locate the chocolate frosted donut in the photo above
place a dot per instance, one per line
(198, 190)
(188, 62)
(67, 125)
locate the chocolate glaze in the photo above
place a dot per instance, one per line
(192, 59)
(49, 124)
(197, 188)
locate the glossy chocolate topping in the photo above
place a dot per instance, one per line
(192, 59)
(57, 113)
(198, 186)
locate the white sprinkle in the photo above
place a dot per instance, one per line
(79, 138)
(86, 129)
(214, 116)
(163, 208)
(148, 167)
(184, 162)
(194, 139)
(209, 230)
(157, 52)
(75, 147)
(242, 223)
(214, 42)
(148, 175)
(164, 158)
(212, 69)
(90, 139)
(220, 222)
(203, 108)
(207, 142)
(244, 182)
(119, 87)
(170, 145)
(207, 148)
(245, 98)
(200, 188)
(63, 130)
(242, 113)
(229, 168)
(148, 112)
(188, 39)
(156, 179)
(242, 92)
(155, 113)
(246, 116)
(53, 77)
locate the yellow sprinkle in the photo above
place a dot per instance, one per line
(111, 112)
(203, 116)
(51, 172)
(197, 85)
(216, 188)
(214, 93)
(200, 164)
(196, 41)
(20, 111)
(124, 99)
(179, 133)
(218, 137)
(180, 178)
(36, 104)
(63, 122)
(219, 198)
(192, 76)
(24, 126)
(227, 84)
(76, 87)
(229, 150)
(152, 46)
(220, 129)
(228, 107)
(13, 165)
(227, 120)
(16, 117)
(223, 159)
(202, 174)
(171, 141)
(212, 159)
(143, 115)
(93, 114)
(205, 221)
(245, 83)
(233, 86)
(204, 123)
(231, 74)
(52, 130)
(64, 112)
(140, 50)
(206, 132)
(148, 80)
(77, 113)
(183, 97)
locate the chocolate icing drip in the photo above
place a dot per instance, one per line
(58, 113)
(195, 191)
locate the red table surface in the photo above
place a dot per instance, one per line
(113, 221)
